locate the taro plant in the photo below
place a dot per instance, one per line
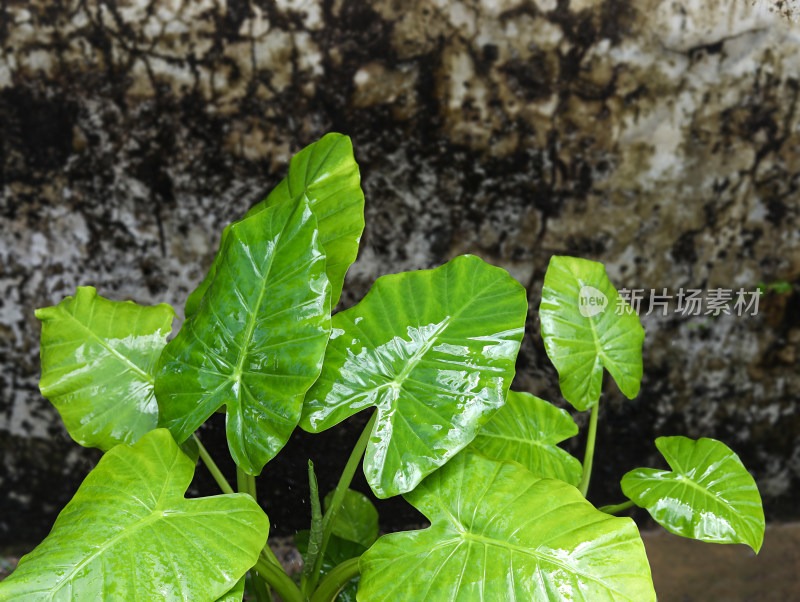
(430, 354)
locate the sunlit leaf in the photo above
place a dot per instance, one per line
(708, 495)
(97, 365)
(434, 351)
(500, 533)
(257, 341)
(586, 327)
(326, 175)
(129, 534)
(527, 430)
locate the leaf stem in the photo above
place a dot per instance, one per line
(335, 580)
(617, 507)
(279, 581)
(589, 454)
(338, 497)
(212, 467)
(268, 555)
(246, 483)
(262, 592)
(315, 537)
(241, 480)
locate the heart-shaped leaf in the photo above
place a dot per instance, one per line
(434, 351)
(708, 495)
(500, 533)
(586, 326)
(326, 175)
(357, 519)
(129, 534)
(97, 365)
(257, 342)
(526, 430)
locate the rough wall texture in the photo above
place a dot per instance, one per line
(662, 138)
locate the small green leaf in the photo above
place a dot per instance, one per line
(357, 519)
(97, 365)
(586, 326)
(434, 351)
(257, 341)
(325, 174)
(527, 430)
(129, 534)
(500, 533)
(709, 495)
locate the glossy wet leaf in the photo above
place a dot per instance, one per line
(257, 341)
(129, 534)
(434, 351)
(98, 358)
(337, 552)
(325, 174)
(500, 533)
(526, 430)
(708, 495)
(357, 519)
(586, 327)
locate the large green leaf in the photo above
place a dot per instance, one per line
(526, 430)
(434, 351)
(357, 519)
(326, 175)
(97, 365)
(586, 326)
(257, 342)
(129, 534)
(500, 533)
(708, 495)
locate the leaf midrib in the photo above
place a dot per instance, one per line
(417, 356)
(537, 442)
(129, 531)
(251, 322)
(598, 349)
(110, 349)
(708, 493)
(540, 557)
(126, 531)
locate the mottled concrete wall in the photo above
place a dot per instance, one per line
(662, 138)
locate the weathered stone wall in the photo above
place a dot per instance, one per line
(660, 137)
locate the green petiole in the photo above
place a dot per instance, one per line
(589, 454)
(338, 497)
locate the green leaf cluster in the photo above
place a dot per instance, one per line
(430, 353)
